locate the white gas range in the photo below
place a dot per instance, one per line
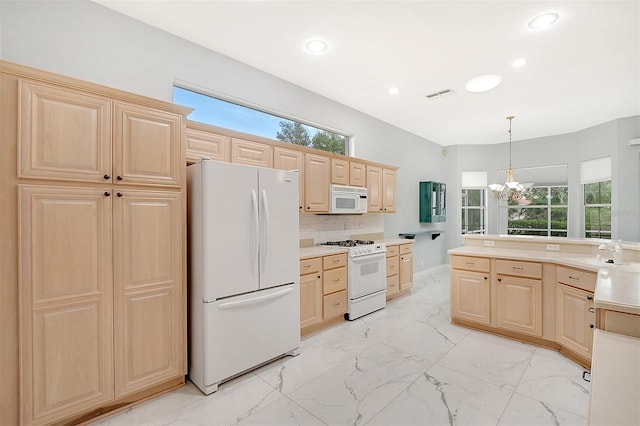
(367, 273)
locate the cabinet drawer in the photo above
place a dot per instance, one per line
(392, 266)
(335, 304)
(392, 251)
(393, 285)
(577, 278)
(335, 261)
(479, 264)
(310, 266)
(406, 248)
(334, 280)
(519, 269)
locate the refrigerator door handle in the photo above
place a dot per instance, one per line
(265, 230)
(254, 300)
(256, 239)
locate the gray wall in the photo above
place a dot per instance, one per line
(85, 40)
(609, 139)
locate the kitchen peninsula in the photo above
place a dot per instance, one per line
(555, 292)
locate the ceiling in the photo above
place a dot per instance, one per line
(582, 71)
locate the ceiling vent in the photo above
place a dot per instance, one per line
(439, 94)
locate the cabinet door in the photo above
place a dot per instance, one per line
(374, 186)
(393, 286)
(317, 170)
(65, 264)
(519, 305)
(251, 153)
(357, 174)
(339, 171)
(206, 144)
(470, 296)
(406, 271)
(573, 319)
(310, 299)
(149, 291)
(64, 134)
(389, 191)
(288, 159)
(148, 146)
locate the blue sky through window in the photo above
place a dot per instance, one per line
(229, 115)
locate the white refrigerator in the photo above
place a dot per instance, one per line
(244, 295)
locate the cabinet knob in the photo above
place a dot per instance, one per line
(591, 310)
(119, 194)
(319, 276)
(485, 278)
(107, 193)
(500, 279)
(119, 177)
(106, 177)
(592, 326)
(589, 297)
(308, 207)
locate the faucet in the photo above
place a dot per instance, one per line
(605, 247)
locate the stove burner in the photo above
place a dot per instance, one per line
(349, 243)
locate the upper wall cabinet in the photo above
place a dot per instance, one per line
(357, 174)
(251, 153)
(76, 136)
(63, 134)
(339, 171)
(433, 202)
(381, 184)
(206, 144)
(317, 174)
(288, 159)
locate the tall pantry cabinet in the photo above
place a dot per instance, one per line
(98, 279)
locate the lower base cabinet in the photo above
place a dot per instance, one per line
(406, 266)
(323, 290)
(519, 305)
(470, 296)
(575, 319)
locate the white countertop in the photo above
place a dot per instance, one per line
(615, 366)
(617, 288)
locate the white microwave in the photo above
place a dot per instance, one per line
(348, 200)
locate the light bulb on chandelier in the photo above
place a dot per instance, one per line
(510, 190)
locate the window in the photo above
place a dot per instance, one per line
(473, 211)
(210, 110)
(597, 210)
(544, 212)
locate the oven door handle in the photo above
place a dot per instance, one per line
(369, 257)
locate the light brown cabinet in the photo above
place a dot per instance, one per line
(357, 174)
(519, 304)
(575, 319)
(100, 247)
(339, 171)
(406, 266)
(519, 296)
(381, 184)
(471, 296)
(393, 270)
(207, 144)
(251, 153)
(310, 292)
(317, 171)
(323, 291)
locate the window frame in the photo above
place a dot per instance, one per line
(315, 128)
(549, 230)
(465, 210)
(592, 233)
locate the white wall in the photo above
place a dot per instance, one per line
(84, 40)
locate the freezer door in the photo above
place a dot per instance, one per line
(279, 235)
(229, 224)
(244, 331)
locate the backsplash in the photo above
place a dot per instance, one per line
(323, 228)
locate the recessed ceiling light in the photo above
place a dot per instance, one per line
(316, 46)
(483, 83)
(543, 21)
(393, 91)
(519, 63)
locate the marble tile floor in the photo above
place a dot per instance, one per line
(403, 365)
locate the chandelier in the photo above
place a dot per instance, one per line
(510, 190)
